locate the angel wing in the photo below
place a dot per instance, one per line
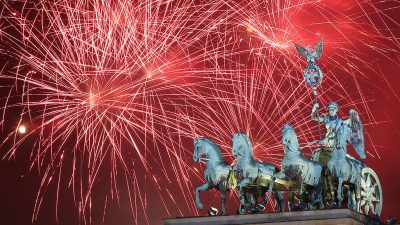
(302, 51)
(356, 133)
(318, 50)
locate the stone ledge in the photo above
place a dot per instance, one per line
(329, 216)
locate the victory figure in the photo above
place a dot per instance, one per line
(333, 122)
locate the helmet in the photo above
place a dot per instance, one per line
(332, 105)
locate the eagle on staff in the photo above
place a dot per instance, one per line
(310, 56)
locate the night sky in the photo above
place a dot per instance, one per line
(112, 94)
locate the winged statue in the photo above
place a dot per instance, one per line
(312, 73)
(310, 56)
(356, 133)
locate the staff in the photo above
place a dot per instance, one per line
(312, 73)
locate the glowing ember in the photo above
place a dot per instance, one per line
(22, 129)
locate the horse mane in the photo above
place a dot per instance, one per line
(339, 132)
(289, 128)
(247, 139)
(209, 141)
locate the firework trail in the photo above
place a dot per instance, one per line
(260, 85)
(118, 89)
(95, 77)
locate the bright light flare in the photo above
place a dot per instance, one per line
(22, 129)
(93, 99)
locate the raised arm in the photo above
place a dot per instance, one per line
(314, 115)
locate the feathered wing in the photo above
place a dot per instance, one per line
(301, 50)
(318, 49)
(356, 133)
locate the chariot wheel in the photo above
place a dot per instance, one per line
(371, 193)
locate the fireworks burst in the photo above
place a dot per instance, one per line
(113, 89)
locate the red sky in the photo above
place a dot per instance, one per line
(361, 65)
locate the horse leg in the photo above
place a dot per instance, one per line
(271, 185)
(280, 200)
(312, 199)
(326, 188)
(241, 185)
(321, 201)
(358, 197)
(339, 191)
(353, 199)
(223, 197)
(316, 196)
(250, 200)
(263, 196)
(300, 188)
(291, 199)
(333, 199)
(202, 187)
(350, 200)
(320, 193)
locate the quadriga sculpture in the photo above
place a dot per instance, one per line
(305, 173)
(252, 174)
(364, 192)
(216, 173)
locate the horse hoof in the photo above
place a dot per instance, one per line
(293, 207)
(199, 206)
(376, 216)
(331, 204)
(302, 206)
(212, 211)
(259, 208)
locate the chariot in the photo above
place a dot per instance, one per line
(371, 199)
(323, 180)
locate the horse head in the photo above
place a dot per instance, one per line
(341, 137)
(205, 146)
(199, 149)
(289, 138)
(241, 144)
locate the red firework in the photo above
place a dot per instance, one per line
(114, 91)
